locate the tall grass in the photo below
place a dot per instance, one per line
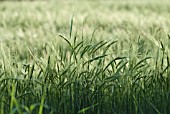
(48, 68)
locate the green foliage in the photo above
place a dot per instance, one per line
(107, 57)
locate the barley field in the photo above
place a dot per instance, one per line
(85, 57)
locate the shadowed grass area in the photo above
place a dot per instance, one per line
(87, 57)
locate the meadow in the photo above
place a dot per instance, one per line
(85, 57)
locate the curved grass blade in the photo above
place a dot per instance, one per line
(140, 62)
(118, 58)
(96, 58)
(85, 109)
(63, 37)
(97, 48)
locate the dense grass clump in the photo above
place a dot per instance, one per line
(113, 59)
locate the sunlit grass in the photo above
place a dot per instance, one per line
(85, 57)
